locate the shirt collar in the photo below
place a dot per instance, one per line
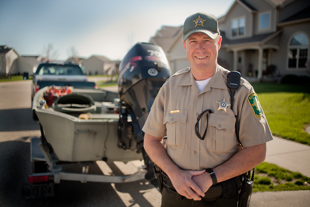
(217, 81)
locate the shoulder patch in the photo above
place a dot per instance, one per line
(254, 102)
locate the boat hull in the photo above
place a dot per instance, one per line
(79, 140)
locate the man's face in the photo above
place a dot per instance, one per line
(202, 51)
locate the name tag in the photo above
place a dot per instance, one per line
(174, 111)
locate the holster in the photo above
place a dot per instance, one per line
(246, 192)
(159, 177)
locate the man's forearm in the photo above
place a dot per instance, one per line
(181, 180)
(158, 153)
(241, 162)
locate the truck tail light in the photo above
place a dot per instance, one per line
(38, 179)
(37, 88)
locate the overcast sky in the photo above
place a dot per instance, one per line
(101, 27)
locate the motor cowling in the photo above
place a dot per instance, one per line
(143, 71)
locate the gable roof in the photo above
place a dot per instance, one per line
(260, 38)
(102, 58)
(5, 49)
(166, 36)
(243, 3)
(299, 16)
(279, 2)
(246, 5)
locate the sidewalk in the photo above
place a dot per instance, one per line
(291, 156)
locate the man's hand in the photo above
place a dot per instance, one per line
(181, 180)
(183, 183)
(203, 181)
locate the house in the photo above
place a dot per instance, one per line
(170, 40)
(11, 63)
(75, 60)
(260, 39)
(8, 60)
(97, 64)
(28, 64)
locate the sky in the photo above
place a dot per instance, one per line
(92, 27)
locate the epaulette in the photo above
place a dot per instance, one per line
(182, 71)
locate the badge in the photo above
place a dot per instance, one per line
(199, 21)
(254, 102)
(222, 105)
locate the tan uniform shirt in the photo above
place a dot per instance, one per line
(179, 102)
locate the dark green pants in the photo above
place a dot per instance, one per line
(228, 197)
(170, 201)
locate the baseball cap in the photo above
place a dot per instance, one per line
(201, 22)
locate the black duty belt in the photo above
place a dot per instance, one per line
(227, 188)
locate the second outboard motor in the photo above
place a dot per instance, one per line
(143, 71)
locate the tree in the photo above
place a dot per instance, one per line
(49, 52)
(73, 55)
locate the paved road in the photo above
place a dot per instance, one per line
(16, 129)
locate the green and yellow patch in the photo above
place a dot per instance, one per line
(254, 102)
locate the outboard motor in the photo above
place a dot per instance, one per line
(143, 71)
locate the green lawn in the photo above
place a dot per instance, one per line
(12, 78)
(270, 177)
(287, 109)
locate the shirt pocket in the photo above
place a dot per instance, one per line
(176, 127)
(221, 133)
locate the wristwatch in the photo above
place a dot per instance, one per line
(212, 175)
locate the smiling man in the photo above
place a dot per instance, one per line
(202, 162)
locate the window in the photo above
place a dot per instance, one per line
(238, 26)
(298, 51)
(264, 21)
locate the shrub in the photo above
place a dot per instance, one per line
(295, 79)
(299, 182)
(264, 181)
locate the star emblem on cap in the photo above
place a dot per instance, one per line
(199, 21)
(222, 105)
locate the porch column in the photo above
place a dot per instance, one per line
(260, 63)
(235, 60)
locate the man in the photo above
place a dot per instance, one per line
(193, 110)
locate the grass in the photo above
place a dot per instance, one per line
(13, 78)
(275, 88)
(111, 82)
(270, 177)
(287, 109)
(101, 84)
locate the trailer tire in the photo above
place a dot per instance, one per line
(34, 116)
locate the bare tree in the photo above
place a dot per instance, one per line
(49, 52)
(73, 55)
